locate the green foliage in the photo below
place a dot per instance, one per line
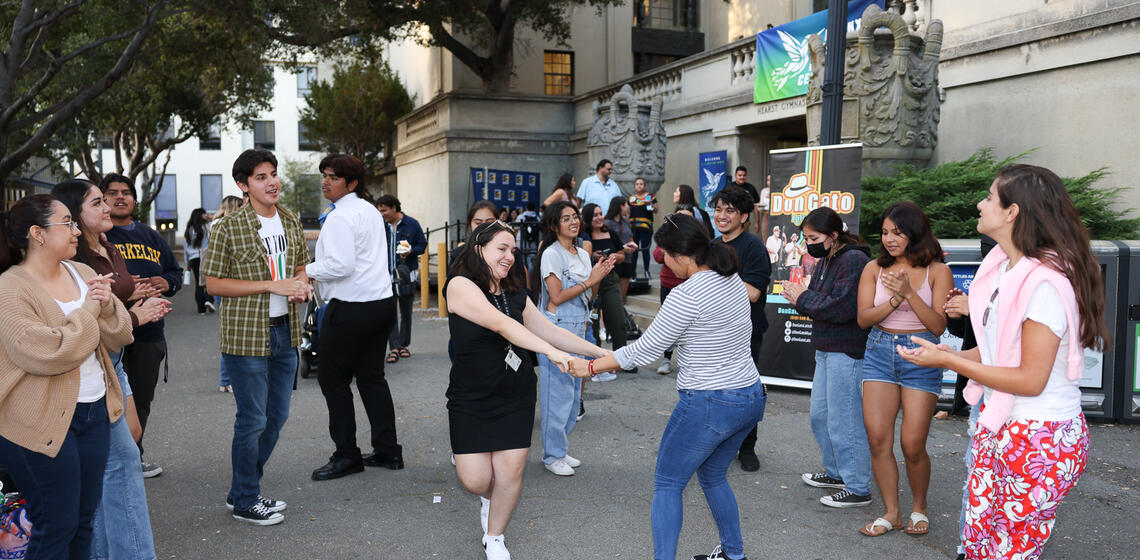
(356, 113)
(949, 194)
(300, 188)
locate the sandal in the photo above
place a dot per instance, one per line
(880, 523)
(404, 353)
(912, 528)
(393, 357)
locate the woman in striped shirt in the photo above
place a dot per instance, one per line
(720, 394)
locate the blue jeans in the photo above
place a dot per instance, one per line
(124, 496)
(263, 386)
(63, 491)
(881, 362)
(702, 436)
(837, 420)
(559, 393)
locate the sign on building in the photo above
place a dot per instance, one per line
(507, 189)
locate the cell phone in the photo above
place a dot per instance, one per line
(606, 252)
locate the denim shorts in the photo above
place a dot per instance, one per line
(881, 362)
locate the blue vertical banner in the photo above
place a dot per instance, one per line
(507, 189)
(712, 176)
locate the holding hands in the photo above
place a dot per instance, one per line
(561, 359)
(957, 304)
(580, 367)
(293, 288)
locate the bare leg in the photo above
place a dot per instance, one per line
(917, 409)
(508, 468)
(880, 408)
(475, 472)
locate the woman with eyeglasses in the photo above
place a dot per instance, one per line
(59, 390)
(491, 394)
(720, 396)
(1036, 302)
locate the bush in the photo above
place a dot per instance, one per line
(949, 194)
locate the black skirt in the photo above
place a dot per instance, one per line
(476, 434)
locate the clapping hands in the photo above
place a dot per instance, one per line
(150, 310)
(99, 289)
(898, 283)
(144, 288)
(957, 304)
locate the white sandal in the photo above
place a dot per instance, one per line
(880, 522)
(915, 519)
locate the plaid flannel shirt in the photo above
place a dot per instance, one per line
(831, 301)
(236, 251)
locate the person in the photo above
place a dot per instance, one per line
(491, 392)
(229, 205)
(831, 300)
(1037, 301)
(599, 188)
(406, 242)
(124, 495)
(197, 238)
(793, 253)
(256, 262)
(901, 294)
(740, 179)
(563, 191)
(58, 388)
(601, 244)
(763, 205)
(775, 246)
(731, 209)
(352, 272)
(505, 215)
(568, 282)
(720, 394)
(642, 204)
(151, 261)
(684, 194)
(513, 216)
(528, 215)
(617, 221)
(668, 282)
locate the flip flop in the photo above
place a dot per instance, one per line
(404, 353)
(915, 519)
(871, 530)
(393, 357)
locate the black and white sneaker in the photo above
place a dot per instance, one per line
(845, 499)
(150, 470)
(821, 480)
(274, 506)
(259, 515)
(716, 554)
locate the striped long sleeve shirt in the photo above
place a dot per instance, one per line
(708, 317)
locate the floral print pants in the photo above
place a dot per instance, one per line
(1019, 477)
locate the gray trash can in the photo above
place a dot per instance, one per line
(1127, 331)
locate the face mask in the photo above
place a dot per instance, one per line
(817, 250)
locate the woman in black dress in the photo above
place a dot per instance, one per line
(491, 395)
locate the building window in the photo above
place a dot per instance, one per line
(306, 76)
(666, 14)
(166, 203)
(264, 135)
(304, 143)
(211, 192)
(212, 139)
(558, 72)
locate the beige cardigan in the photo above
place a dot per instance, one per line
(40, 354)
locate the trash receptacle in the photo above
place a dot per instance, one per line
(1127, 341)
(1100, 384)
(963, 257)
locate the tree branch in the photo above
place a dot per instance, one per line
(462, 52)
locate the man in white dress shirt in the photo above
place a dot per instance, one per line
(351, 269)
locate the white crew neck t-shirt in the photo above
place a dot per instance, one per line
(92, 386)
(276, 249)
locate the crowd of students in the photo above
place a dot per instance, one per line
(85, 289)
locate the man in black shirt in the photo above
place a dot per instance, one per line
(732, 207)
(740, 179)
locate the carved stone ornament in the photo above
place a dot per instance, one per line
(890, 91)
(629, 133)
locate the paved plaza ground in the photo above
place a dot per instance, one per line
(600, 512)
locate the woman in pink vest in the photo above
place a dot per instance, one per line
(1036, 303)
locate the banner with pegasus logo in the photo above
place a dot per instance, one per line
(783, 68)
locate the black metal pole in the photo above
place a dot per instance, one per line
(833, 72)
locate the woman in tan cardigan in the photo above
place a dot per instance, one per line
(58, 389)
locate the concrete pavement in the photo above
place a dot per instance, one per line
(600, 512)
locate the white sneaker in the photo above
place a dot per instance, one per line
(604, 376)
(574, 463)
(602, 334)
(453, 459)
(665, 368)
(560, 468)
(484, 512)
(495, 547)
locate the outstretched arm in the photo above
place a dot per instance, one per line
(465, 299)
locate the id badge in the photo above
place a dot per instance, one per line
(512, 359)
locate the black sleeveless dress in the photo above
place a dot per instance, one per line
(490, 406)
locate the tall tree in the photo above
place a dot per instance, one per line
(480, 33)
(59, 57)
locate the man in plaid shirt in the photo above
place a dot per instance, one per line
(256, 262)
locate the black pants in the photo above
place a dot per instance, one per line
(665, 292)
(349, 348)
(749, 443)
(142, 360)
(199, 290)
(401, 336)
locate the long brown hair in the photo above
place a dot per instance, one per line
(922, 248)
(1049, 229)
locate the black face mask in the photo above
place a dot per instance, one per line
(816, 250)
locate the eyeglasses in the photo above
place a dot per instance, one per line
(569, 218)
(72, 225)
(986, 315)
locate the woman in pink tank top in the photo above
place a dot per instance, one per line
(901, 295)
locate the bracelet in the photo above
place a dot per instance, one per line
(590, 366)
(892, 299)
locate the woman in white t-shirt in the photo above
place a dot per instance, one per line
(1035, 304)
(568, 282)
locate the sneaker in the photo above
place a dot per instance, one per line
(210, 307)
(259, 515)
(605, 376)
(484, 512)
(574, 463)
(150, 470)
(630, 370)
(716, 554)
(221, 388)
(495, 547)
(560, 468)
(665, 368)
(821, 480)
(581, 410)
(602, 334)
(845, 499)
(274, 506)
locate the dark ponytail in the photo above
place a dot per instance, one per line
(684, 235)
(827, 221)
(32, 210)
